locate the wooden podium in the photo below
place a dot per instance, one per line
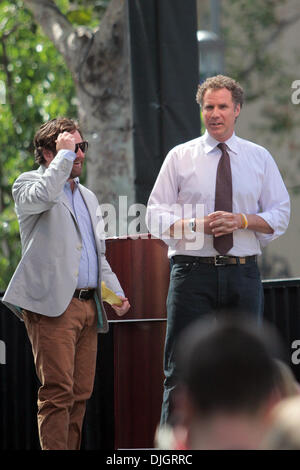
(142, 267)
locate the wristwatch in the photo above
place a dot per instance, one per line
(192, 225)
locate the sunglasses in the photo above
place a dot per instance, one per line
(83, 146)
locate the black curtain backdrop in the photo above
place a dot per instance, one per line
(164, 68)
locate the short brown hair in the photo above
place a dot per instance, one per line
(218, 82)
(47, 134)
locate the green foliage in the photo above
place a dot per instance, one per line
(252, 28)
(251, 34)
(83, 12)
(38, 86)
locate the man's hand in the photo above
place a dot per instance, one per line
(221, 222)
(122, 309)
(65, 141)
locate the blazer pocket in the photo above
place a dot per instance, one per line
(41, 278)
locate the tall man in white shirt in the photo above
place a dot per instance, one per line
(183, 211)
(56, 288)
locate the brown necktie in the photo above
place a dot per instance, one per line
(223, 199)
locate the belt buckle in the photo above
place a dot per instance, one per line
(220, 260)
(80, 292)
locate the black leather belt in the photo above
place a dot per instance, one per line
(84, 294)
(218, 260)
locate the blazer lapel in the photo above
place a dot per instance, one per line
(66, 202)
(89, 202)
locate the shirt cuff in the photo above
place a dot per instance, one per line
(67, 154)
(266, 238)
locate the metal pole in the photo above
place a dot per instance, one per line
(215, 16)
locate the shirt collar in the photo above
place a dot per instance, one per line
(210, 143)
(76, 181)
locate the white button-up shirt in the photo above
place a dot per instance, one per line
(185, 188)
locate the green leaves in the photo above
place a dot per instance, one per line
(83, 12)
(80, 16)
(35, 85)
(38, 87)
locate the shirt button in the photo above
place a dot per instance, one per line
(76, 273)
(79, 247)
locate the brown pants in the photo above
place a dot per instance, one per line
(65, 350)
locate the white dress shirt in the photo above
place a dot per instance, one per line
(185, 188)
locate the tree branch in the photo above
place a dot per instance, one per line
(281, 26)
(103, 46)
(57, 27)
(113, 14)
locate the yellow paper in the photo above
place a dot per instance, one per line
(109, 296)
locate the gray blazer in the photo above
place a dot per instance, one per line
(46, 277)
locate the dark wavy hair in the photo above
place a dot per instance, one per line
(47, 134)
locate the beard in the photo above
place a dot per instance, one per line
(77, 169)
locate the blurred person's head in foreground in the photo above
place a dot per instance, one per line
(229, 382)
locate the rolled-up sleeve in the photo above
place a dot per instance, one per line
(33, 195)
(274, 203)
(162, 209)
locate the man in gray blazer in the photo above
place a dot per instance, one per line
(56, 288)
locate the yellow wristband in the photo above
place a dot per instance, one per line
(244, 221)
